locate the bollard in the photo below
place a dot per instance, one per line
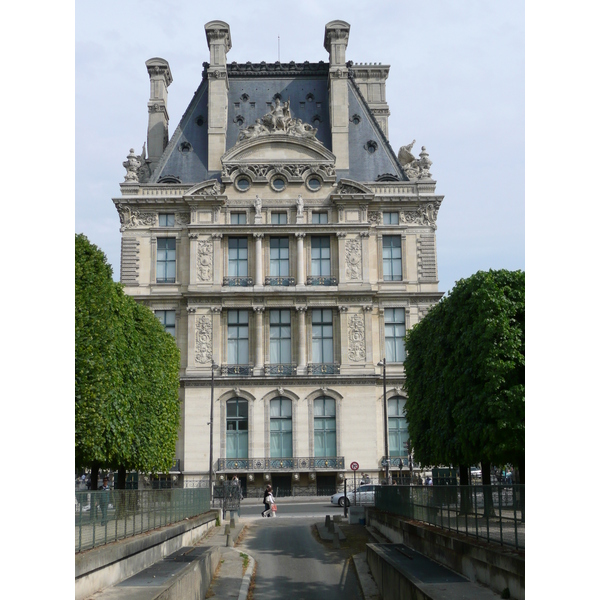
(227, 515)
(336, 540)
(232, 521)
(330, 527)
(227, 529)
(327, 520)
(228, 543)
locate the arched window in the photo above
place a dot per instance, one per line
(281, 428)
(325, 438)
(237, 428)
(397, 427)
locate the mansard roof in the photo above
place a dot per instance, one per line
(253, 88)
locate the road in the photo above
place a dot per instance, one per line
(251, 508)
(293, 565)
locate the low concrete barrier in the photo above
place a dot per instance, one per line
(106, 566)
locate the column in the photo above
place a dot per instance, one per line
(259, 357)
(258, 258)
(300, 270)
(301, 369)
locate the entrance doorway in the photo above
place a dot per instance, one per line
(282, 485)
(326, 485)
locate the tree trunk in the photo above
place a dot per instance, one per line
(121, 478)
(488, 499)
(521, 491)
(465, 498)
(94, 476)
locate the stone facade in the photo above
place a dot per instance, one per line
(280, 238)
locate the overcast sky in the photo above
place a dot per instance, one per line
(456, 85)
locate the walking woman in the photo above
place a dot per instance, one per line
(268, 492)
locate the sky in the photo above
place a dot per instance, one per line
(456, 85)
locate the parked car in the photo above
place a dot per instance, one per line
(365, 494)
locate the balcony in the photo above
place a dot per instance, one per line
(236, 370)
(313, 280)
(399, 462)
(281, 464)
(280, 370)
(323, 369)
(284, 281)
(238, 282)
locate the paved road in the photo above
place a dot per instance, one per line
(293, 565)
(297, 509)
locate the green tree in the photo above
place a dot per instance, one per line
(127, 375)
(465, 375)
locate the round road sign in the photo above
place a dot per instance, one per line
(354, 466)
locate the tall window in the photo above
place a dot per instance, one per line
(238, 218)
(167, 319)
(237, 337)
(397, 427)
(166, 220)
(392, 258)
(280, 257)
(237, 429)
(322, 336)
(319, 217)
(281, 428)
(390, 218)
(279, 218)
(395, 330)
(325, 442)
(165, 260)
(280, 336)
(320, 254)
(238, 257)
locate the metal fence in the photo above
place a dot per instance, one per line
(492, 513)
(102, 517)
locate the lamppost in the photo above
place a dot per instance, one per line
(213, 366)
(381, 363)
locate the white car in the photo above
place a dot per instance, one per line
(364, 495)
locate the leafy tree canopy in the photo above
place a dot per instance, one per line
(465, 373)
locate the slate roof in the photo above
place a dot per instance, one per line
(252, 87)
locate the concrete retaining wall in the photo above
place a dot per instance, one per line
(103, 567)
(496, 568)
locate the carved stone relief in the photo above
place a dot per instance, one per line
(135, 218)
(353, 259)
(205, 260)
(203, 340)
(357, 350)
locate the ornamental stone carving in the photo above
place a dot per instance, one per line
(205, 260)
(353, 258)
(203, 340)
(135, 218)
(374, 217)
(182, 219)
(423, 215)
(413, 167)
(357, 349)
(132, 164)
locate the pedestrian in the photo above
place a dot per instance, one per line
(238, 491)
(271, 503)
(104, 498)
(268, 492)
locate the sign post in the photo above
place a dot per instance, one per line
(354, 466)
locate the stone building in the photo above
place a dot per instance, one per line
(281, 240)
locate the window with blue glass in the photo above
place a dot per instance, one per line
(397, 427)
(279, 257)
(237, 429)
(395, 332)
(238, 218)
(165, 260)
(320, 254)
(167, 319)
(392, 258)
(390, 218)
(238, 257)
(322, 336)
(325, 436)
(280, 337)
(281, 428)
(279, 218)
(237, 337)
(319, 217)
(166, 220)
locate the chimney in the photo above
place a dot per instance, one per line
(336, 42)
(218, 38)
(158, 117)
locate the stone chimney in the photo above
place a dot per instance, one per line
(158, 117)
(218, 38)
(336, 42)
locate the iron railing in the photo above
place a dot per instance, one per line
(280, 369)
(285, 281)
(236, 370)
(102, 517)
(238, 282)
(317, 280)
(492, 513)
(323, 369)
(280, 464)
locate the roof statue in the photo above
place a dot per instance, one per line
(278, 120)
(415, 168)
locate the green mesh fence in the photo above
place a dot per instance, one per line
(106, 516)
(493, 513)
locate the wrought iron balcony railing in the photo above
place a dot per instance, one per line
(314, 280)
(238, 281)
(280, 369)
(398, 462)
(236, 370)
(286, 281)
(323, 369)
(281, 464)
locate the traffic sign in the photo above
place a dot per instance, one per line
(354, 466)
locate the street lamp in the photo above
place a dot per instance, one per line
(381, 363)
(213, 366)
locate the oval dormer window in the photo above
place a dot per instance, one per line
(242, 184)
(278, 184)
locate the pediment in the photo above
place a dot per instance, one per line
(210, 187)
